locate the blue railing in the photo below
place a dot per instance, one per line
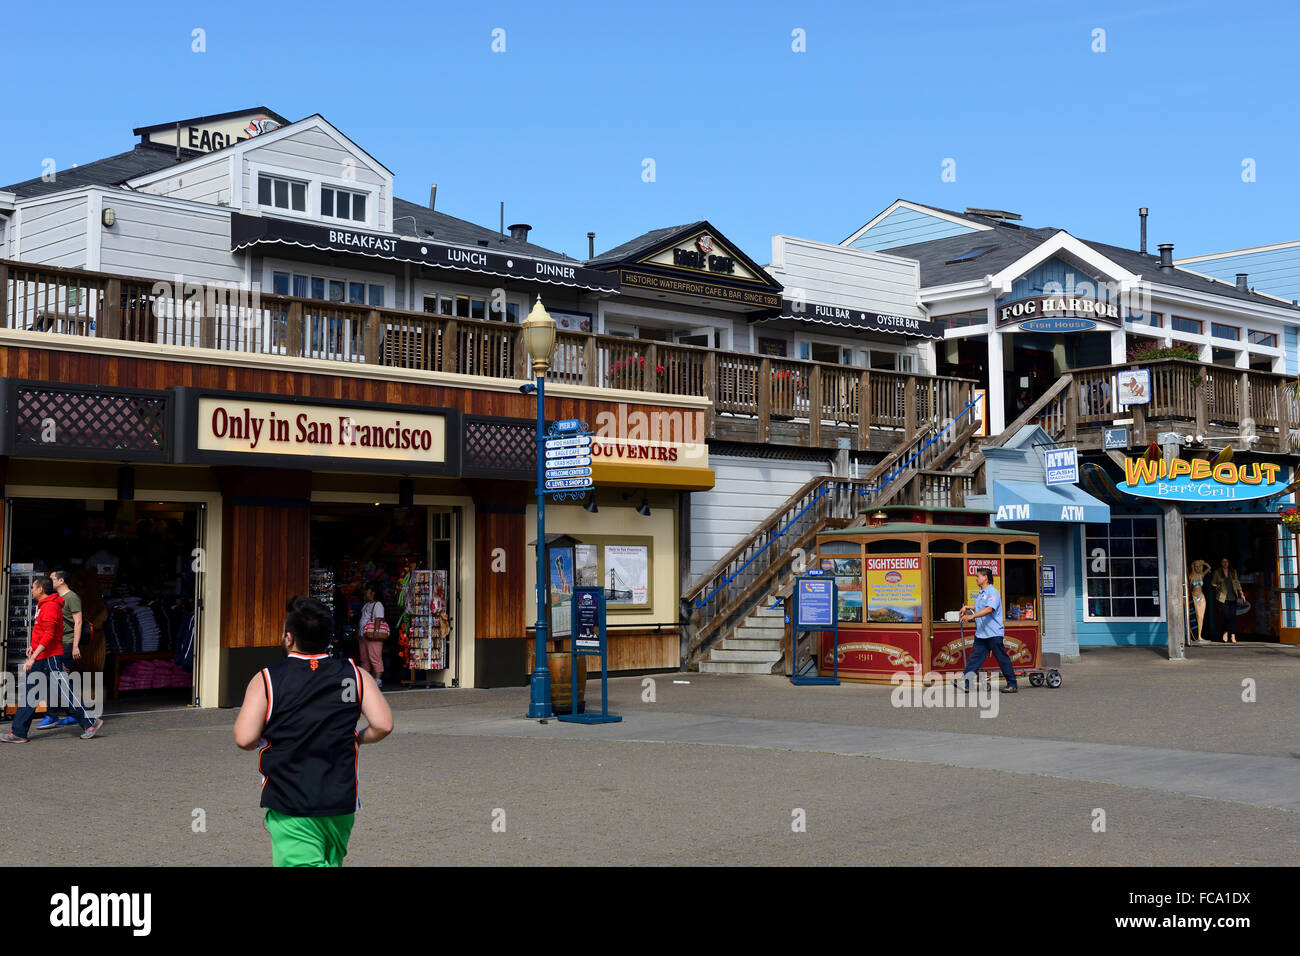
(825, 488)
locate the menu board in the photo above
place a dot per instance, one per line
(972, 586)
(894, 590)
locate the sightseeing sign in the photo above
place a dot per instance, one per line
(1200, 480)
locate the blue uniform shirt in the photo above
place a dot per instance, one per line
(990, 625)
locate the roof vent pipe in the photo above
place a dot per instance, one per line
(1241, 282)
(433, 195)
(591, 245)
(519, 231)
(1166, 256)
(1142, 240)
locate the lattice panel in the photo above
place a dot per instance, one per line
(500, 449)
(103, 422)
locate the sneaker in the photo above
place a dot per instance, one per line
(1011, 689)
(67, 721)
(93, 729)
(960, 684)
(49, 721)
(9, 738)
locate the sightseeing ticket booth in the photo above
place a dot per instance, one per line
(901, 578)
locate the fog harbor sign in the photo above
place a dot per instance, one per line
(1059, 313)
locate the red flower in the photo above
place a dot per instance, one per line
(659, 369)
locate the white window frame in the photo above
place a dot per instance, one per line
(314, 185)
(291, 181)
(351, 194)
(1086, 558)
(426, 289)
(619, 319)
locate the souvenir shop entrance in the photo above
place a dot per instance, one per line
(410, 556)
(137, 567)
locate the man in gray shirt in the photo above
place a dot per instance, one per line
(72, 629)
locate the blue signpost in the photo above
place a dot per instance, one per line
(588, 637)
(815, 609)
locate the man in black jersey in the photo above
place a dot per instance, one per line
(303, 713)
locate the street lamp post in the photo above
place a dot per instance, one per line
(539, 339)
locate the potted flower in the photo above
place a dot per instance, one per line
(1290, 518)
(630, 372)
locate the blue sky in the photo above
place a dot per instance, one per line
(742, 130)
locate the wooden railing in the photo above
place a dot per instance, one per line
(824, 401)
(1186, 397)
(732, 588)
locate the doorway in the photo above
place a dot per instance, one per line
(137, 567)
(411, 557)
(1250, 544)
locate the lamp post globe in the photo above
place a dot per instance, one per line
(539, 340)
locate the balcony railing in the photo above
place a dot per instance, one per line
(1261, 409)
(755, 397)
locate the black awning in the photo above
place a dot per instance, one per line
(247, 231)
(846, 318)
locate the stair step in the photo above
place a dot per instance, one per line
(764, 611)
(760, 633)
(719, 667)
(721, 656)
(749, 644)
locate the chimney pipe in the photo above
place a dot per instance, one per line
(433, 195)
(519, 231)
(503, 217)
(1166, 256)
(1142, 216)
(591, 245)
(1241, 282)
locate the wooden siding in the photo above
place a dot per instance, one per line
(54, 233)
(500, 598)
(902, 227)
(151, 240)
(630, 650)
(265, 553)
(206, 182)
(835, 275)
(1275, 271)
(747, 491)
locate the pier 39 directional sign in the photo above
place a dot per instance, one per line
(568, 459)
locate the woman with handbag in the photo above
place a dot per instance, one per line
(1227, 592)
(374, 631)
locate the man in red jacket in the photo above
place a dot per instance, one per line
(45, 657)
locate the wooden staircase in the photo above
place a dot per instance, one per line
(732, 625)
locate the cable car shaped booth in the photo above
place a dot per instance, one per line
(901, 579)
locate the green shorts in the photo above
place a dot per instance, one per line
(308, 841)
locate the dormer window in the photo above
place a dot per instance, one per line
(342, 204)
(281, 193)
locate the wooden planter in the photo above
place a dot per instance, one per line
(557, 662)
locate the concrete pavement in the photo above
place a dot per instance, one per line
(716, 771)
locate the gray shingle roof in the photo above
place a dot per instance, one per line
(642, 243)
(112, 171)
(1010, 243)
(443, 228)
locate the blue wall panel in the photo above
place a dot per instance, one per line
(1276, 271)
(903, 227)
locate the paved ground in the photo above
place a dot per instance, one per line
(713, 770)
